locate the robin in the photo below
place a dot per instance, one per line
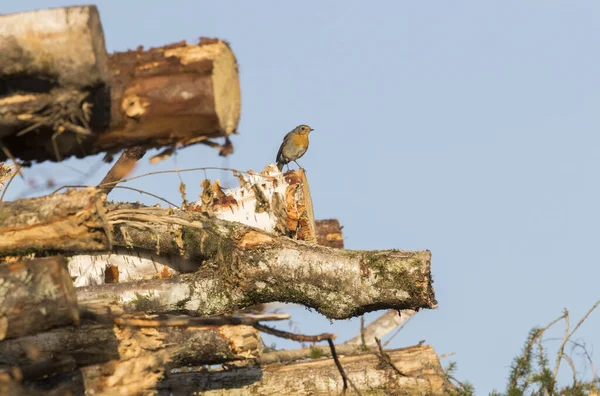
(294, 146)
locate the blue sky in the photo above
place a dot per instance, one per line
(467, 128)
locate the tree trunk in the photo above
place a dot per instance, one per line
(34, 296)
(422, 374)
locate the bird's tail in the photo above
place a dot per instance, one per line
(280, 166)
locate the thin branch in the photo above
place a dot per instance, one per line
(17, 171)
(362, 331)
(338, 364)
(561, 349)
(234, 171)
(570, 361)
(385, 358)
(294, 337)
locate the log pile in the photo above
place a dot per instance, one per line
(101, 297)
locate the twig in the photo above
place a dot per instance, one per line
(561, 349)
(122, 167)
(345, 379)
(316, 338)
(235, 171)
(294, 337)
(385, 358)
(17, 171)
(180, 321)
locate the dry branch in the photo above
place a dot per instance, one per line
(424, 375)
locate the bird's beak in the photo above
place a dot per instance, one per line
(311, 129)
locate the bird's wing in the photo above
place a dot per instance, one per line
(287, 137)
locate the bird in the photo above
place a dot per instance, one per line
(294, 145)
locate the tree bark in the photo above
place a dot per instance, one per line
(422, 371)
(329, 233)
(242, 266)
(71, 222)
(34, 296)
(93, 344)
(239, 265)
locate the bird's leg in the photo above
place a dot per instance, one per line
(299, 167)
(288, 166)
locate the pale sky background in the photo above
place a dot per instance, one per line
(470, 128)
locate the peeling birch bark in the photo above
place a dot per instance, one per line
(34, 296)
(423, 376)
(267, 201)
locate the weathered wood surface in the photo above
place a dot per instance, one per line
(35, 295)
(94, 343)
(423, 375)
(71, 222)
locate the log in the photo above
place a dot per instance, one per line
(95, 344)
(381, 326)
(243, 266)
(329, 233)
(240, 266)
(54, 75)
(422, 371)
(176, 95)
(36, 295)
(59, 46)
(266, 201)
(71, 222)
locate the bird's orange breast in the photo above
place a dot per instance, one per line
(300, 140)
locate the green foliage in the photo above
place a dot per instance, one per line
(460, 388)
